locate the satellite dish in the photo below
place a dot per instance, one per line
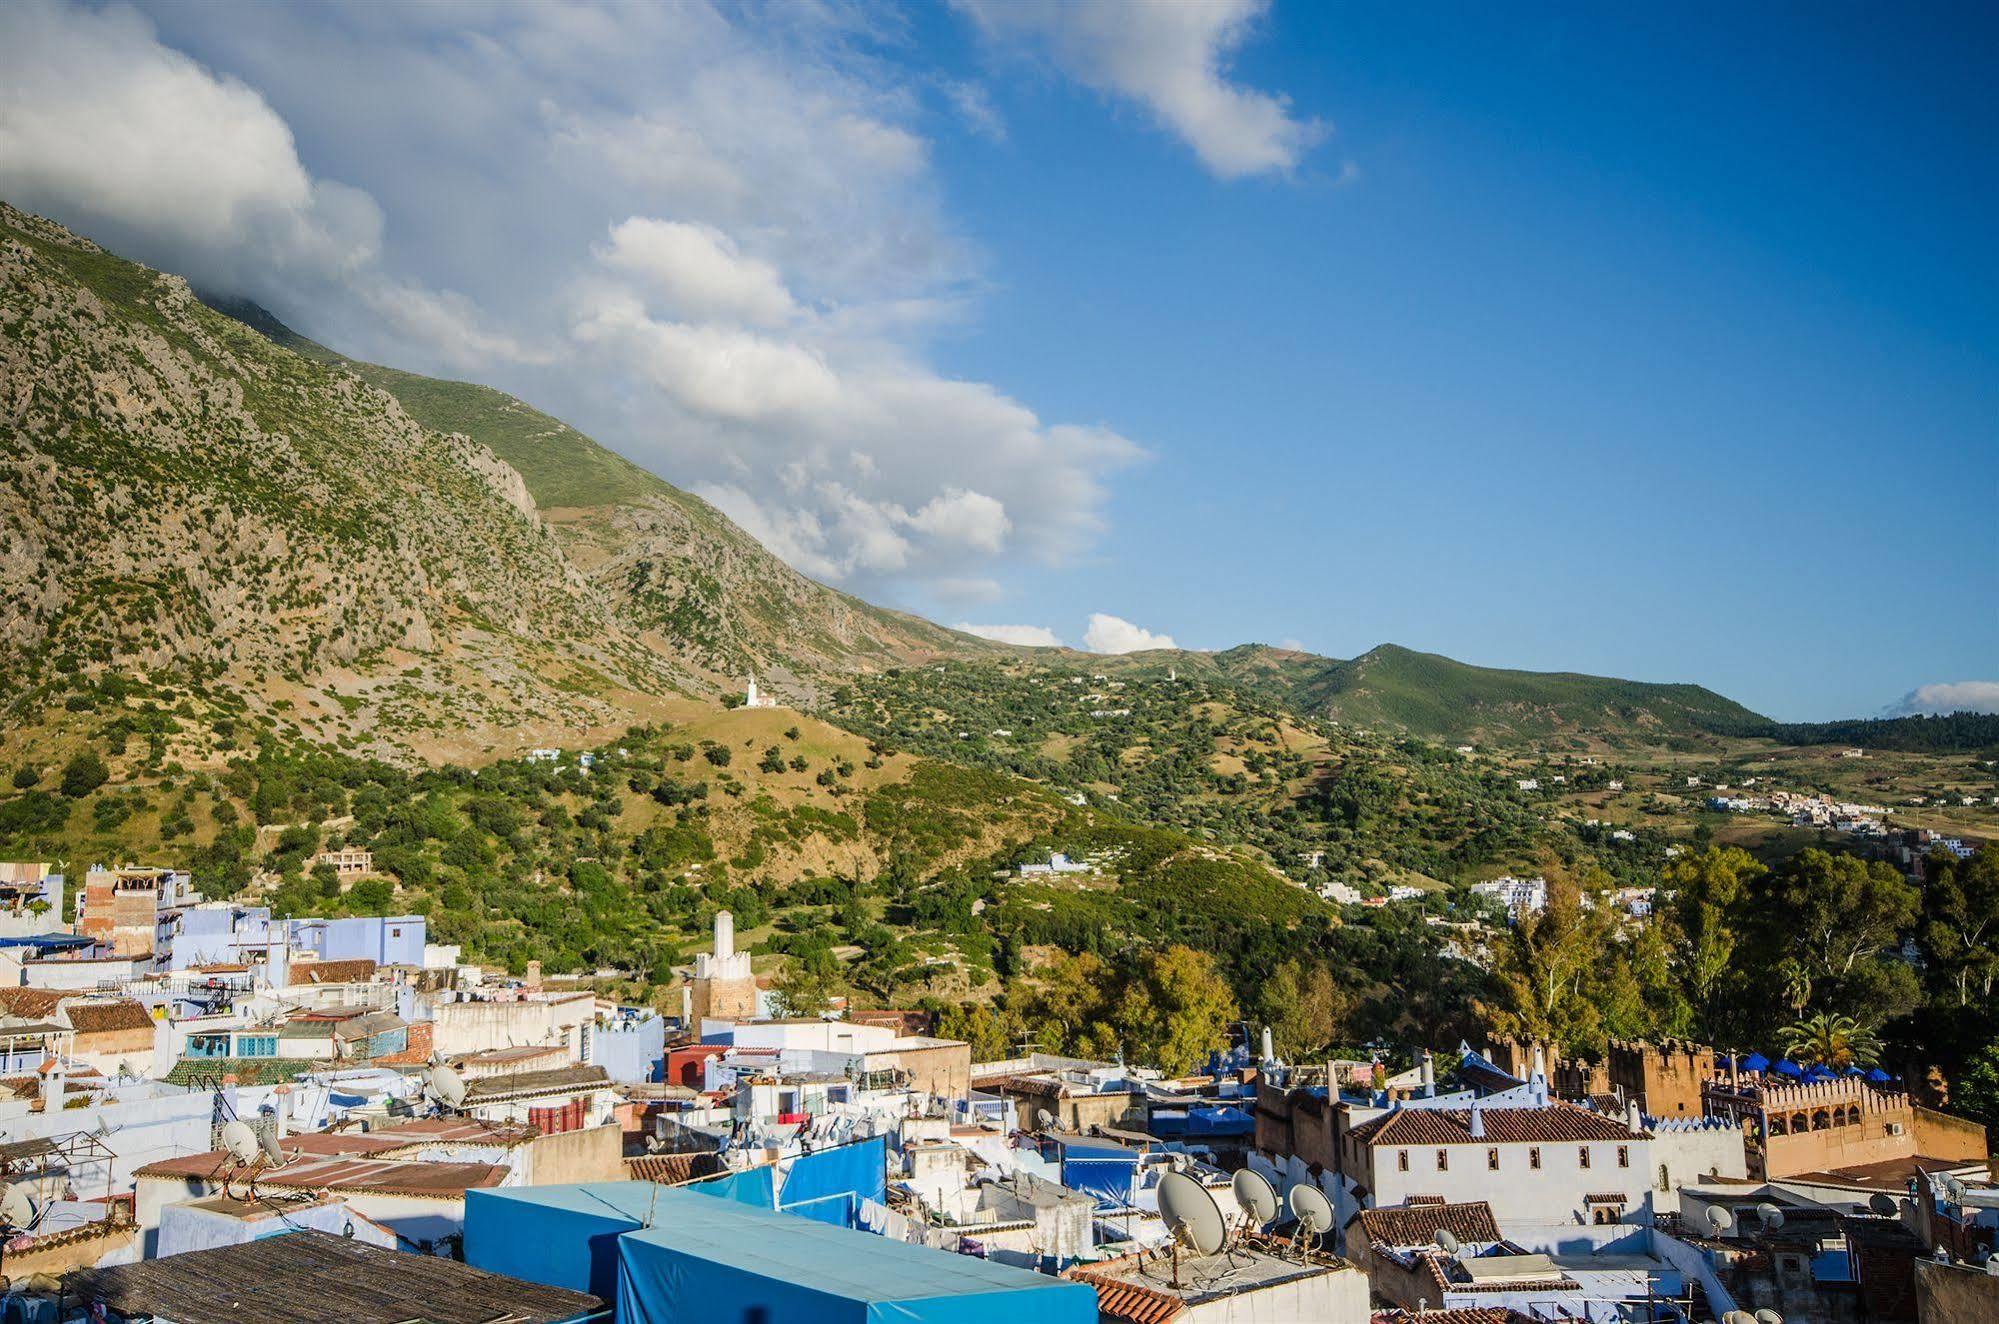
(241, 1142)
(1882, 1204)
(1768, 1316)
(1954, 1188)
(1255, 1198)
(1738, 1317)
(1770, 1216)
(17, 1208)
(447, 1085)
(1312, 1209)
(1043, 1119)
(1719, 1219)
(269, 1141)
(1191, 1214)
(1447, 1243)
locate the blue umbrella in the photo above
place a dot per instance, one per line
(1756, 1062)
(1816, 1075)
(1854, 1071)
(1789, 1068)
(1879, 1077)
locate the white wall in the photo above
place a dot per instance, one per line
(1517, 1192)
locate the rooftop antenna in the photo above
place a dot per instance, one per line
(241, 1142)
(1191, 1215)
(446, 1086)
(1719, 1219)
(1314, 1213)
(1255, 1198)
(1770, 1216)
(17, 1208)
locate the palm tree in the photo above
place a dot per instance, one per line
(1834, 1041)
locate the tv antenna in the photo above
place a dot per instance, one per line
(1191, 1216)
(447, 1087)
(1314, 1213)
(1255, 1198)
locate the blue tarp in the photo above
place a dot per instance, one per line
(1108, 1172)
(753, 1186)
(829, 1184)
(560, 1236)
(727, 1262)
(49, 941)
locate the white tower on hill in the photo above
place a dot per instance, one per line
(752, 698)
(724, 986)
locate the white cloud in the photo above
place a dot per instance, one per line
(699, 273)
(967, 588)
(1113, 634)
(1032, 636)
(720, 248)
(1172, 57)
(1961, 696)
(102, 124)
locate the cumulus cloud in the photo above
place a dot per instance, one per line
(1032, 636)
(1961, 696)
(1113, 634)
(722, 251)
(1171, 57)
(104, 125)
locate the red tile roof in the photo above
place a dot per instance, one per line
(344, 1172)
(105, 1017)
(1555, 1124)
(34, 1003)
(1126, 1302)
(1461, 1315)
(1418, 1225)
(356, 971)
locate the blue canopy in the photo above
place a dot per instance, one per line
(1100, 1168)
(1789, 1068)
(1756, 1062)
(1818, 1074)
(1199, 1121)
(1878, 1076)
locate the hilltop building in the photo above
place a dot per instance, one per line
(753, 698)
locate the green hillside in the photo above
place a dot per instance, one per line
(1425, 694)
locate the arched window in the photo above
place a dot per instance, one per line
(1778, 1126)
(1821, 1120)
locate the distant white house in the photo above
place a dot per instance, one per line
(1529, 783)
(1520, 896)
(1057, 863)
(1341, 893)
(752, 698)
(544, 756)
(1616, 786)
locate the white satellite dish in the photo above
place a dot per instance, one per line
(1719, 1219)
(1446, 1242)
(1191, 1214)
(1770, 1216)
(1882, 1204)
(1255, 1198)
(1312, 1209)
(241, 1142)
(1043, 1119)
(17, 1208)
(1738, 1317)
(447, 1085)
(1954, 1189)
(268, 1140)
(1768, 1316)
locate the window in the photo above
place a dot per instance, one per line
(1443, 1160)
(1582, 1156)
(1624, 1156)
(1402, 1160)
(1492, 1159)
(1534, 1158)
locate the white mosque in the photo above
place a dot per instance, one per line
(752, 698)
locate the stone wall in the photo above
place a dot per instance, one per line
(1955, 1294)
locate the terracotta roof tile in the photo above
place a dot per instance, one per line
(104, 1017)
(1418, 1225)
(34, 1003)
(1126, 1302)
(355, 971)
(1555, 1124)
(1461, 1315)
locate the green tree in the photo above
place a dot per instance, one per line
(809, 982)
(1304, 1008)
(26, 776)
(1702, 927)
(1829, 917)
(1831, 1040)
(1547, 963)
(1975, 1090)
(1960, 930)
(1176, 1010)
(84, 774)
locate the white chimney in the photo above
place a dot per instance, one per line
(1634, 1116)
(1429, 1074)
(1540, 1062)
(1269, 1050)
(1477, 1121)
(52, 1086)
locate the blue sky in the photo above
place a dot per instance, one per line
(1652, 344)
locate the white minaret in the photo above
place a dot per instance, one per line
(725, 923)
(750, 696)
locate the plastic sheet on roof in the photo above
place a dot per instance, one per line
(559, 1236)
(829, 1184)
(738, 1263)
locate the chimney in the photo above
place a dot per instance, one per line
(1269, 1049)
(534, 977)
(52, 1088)
(284, 1093)
(1540, 1062)
(1429, 1074)
(1634, 1116)
(1477, 1121)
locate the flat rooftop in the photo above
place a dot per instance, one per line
(316, 1278)
(1245, 1269)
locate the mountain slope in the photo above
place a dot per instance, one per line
(1429, 695)
(669, 563)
